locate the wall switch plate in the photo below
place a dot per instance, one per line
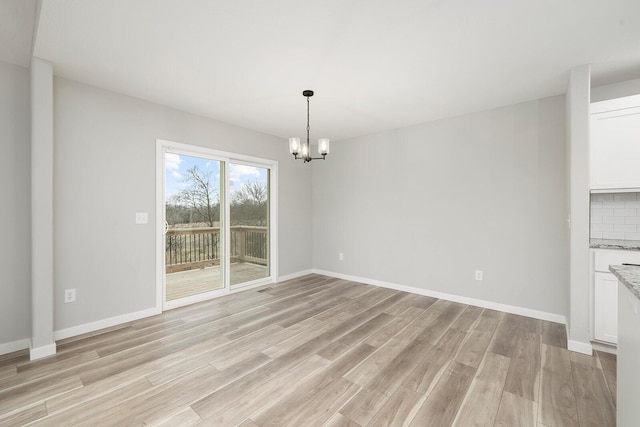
(69, 295)
(479, 274)
(340, 256)
(142, 218)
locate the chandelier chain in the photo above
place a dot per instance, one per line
(308, 145)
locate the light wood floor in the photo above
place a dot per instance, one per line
(315, 351)
(193, 282)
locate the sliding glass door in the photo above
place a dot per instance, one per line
(217, 233)
(249, 223)
(193, 238)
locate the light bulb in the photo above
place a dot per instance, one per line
(294, 146)
(323, 146)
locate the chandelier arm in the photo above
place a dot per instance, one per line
(308, 159)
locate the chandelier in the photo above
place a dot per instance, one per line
(302, 151)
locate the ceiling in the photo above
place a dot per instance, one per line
(17, 19)
(374, 65)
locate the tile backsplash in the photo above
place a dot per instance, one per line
(615, 216)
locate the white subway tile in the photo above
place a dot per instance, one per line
(632, 219)
(602, 212)
(618, 235)
(602, 197)
(614, 204)
(632, 236)
(596, 204)
(602, 227)
(597, 219)
(627, 228)
(596, 235)
(625, 212)
(632, 204)
(623, 197)
(613, 219)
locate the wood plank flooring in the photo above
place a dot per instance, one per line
(315, 351)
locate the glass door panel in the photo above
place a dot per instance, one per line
(249, 223)
(194, 232)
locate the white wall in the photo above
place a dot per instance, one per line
(577, 140)
(105, 172)
(428, 205)
(15, 254)
(42, 297)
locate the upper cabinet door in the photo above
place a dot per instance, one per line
(615, 144)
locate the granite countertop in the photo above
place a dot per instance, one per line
(627, 245)
(629, 275)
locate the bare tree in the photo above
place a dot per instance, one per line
(251, 193)
(200, 195)
(249, 204)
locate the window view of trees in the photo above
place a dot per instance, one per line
(197, 204)
(249, 204)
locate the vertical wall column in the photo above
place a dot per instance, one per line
(578, 99)
(42, 343)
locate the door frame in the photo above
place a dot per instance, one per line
(162, 146)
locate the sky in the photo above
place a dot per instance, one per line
(176, 166)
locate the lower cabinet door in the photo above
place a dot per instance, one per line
(605, 307)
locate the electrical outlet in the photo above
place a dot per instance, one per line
(69, 295)
(479, 274)
(340, 256)
(142, 218)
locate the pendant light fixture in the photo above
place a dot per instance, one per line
(304, 149)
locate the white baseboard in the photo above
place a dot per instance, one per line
(10, 347)
(605, 348)
(580, 347)
(536, 314)
(44, 351)
(104, 323)
(294, 275)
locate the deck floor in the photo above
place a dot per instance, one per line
(192, 282)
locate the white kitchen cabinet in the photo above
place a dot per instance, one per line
(615, 143)
(605, 318)
(605, 292)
